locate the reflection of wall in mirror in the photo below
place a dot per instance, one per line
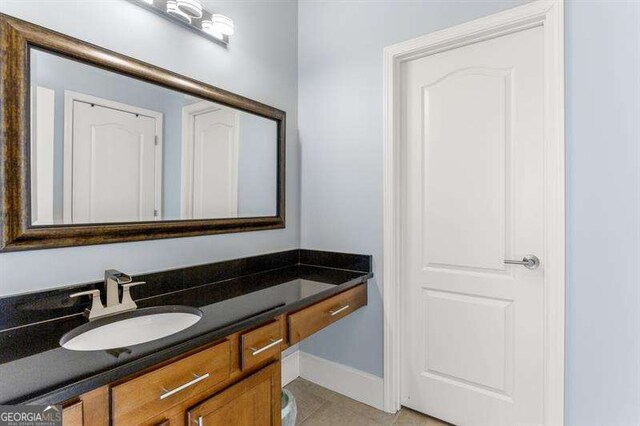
(257, 169)
(257, 164)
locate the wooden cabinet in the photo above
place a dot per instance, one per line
(304, 323)
(254, 401)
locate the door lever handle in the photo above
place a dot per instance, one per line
(529, 261)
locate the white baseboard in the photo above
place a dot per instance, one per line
(345, 380)
(290, 369)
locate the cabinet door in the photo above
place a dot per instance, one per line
(255, 401)
(72, 415)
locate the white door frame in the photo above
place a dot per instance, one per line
(67, 162)
(189, 113)
(549, 16)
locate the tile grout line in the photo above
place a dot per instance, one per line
(313, 412)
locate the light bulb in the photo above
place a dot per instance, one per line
(222, 24)
(207, 27)
(172, 9)
(193, 8)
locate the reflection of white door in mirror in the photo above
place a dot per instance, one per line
(42, 155)
(209, 161)
(112, 161)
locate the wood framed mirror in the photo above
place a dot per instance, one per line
(98, 147)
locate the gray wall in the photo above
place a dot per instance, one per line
(340, 103)
(260, 63)
(257, 171)
(603, 212)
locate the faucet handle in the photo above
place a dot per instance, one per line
(126, 293)
(129, 285)
(96, 304)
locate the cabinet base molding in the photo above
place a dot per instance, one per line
(356, 384)
(290, 368)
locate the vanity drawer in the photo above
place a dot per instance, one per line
(304, 323)
(261, 344)
(154, 392)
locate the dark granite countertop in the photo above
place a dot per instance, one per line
(34, 368)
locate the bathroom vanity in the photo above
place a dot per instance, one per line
(135, 153)
(225, 369)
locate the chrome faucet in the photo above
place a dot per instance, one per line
(112, 281)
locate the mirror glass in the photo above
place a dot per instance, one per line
(109, 148)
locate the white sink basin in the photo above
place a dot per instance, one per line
(130, 328)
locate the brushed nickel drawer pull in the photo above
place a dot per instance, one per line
(337, 311)
(167, 393)
(200, 422)
(273, 343)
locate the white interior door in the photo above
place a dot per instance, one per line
(42, 155)
(472, 342)
(212, 187)
(114, 169)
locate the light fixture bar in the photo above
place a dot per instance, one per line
(184, 12)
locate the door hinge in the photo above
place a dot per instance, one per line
(155, 140)
(155, 213)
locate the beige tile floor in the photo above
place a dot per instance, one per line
(319, 406)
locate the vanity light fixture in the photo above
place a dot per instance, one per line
(190, 14)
